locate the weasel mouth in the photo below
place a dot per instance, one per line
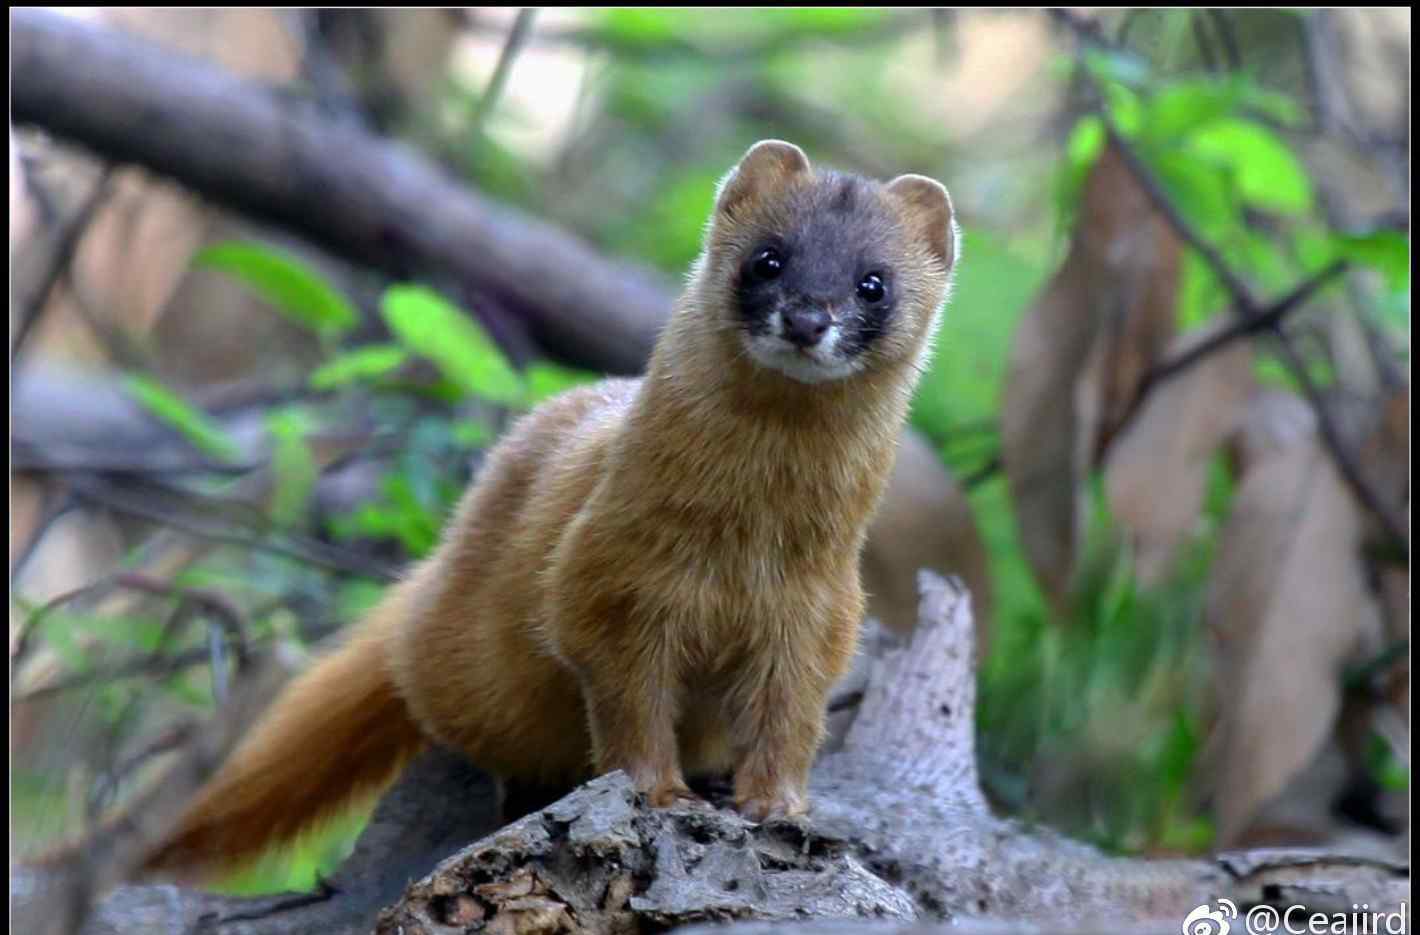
(804, 364)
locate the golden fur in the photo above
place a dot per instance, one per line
(657, 575)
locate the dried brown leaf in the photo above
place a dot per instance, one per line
(924, 521)
(1156, 471)
(1289, 606)
(1077, 360)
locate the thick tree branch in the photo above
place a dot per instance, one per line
(267, 155)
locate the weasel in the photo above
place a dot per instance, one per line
(657, 575)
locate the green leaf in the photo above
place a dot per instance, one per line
(546, 379)
(1125, 109)
(193, 423)
(1181, 107)
(429, 325)
(361, 364)
(1085, 143)
(1386, 251)
(1082, 150)
(1200, 295)
(358, 597)
(292, 463)
(470, 434)
(1200, 191)
(1283, 108)
(400, 515)
(289, 285)
(1268, 174)
(669, 230)
(640, 26)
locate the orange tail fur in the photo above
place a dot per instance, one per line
(338, 733)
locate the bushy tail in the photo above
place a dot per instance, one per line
(339, 732)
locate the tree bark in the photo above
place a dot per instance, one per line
(275, 158)
(899, 830)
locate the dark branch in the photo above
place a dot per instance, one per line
(270, 156)
(31, 301)
(517, 38)
(1268, 319)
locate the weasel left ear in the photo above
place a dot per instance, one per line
(765, 167)
(928, 209)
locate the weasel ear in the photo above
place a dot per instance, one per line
(928, 209)
(767, 166)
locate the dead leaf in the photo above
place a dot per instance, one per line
(1077, 359)
(1289, 606)
(924, 521)
(1156, 471)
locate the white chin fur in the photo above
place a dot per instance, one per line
(778, 354)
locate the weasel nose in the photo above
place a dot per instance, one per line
(805, 327)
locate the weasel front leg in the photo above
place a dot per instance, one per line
(780, 719)
(631, 688)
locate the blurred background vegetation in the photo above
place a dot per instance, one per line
(1280, 136)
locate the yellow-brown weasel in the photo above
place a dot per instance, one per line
(656, 575)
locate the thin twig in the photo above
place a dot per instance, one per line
(32, 301)
(309, 552)
(984, 473)
(1201, 40)
(517, 38)
(1224, 28)
(1266, 320)
(199, 601)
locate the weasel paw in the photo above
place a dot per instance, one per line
(779, 805)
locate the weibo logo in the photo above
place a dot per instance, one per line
(1205, 920)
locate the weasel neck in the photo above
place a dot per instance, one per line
(713, 433)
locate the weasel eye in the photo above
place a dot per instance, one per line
(870, 288)
(768, 263)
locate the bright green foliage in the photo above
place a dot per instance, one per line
(546, 379)
(400, 515)
(1387, 252)
(993, 285)
(363, 364)
(645, 29)
(670, 232)
(1388, 770)
(431, 326)
(289, 285)
(1267, 174)
(172, 409)
(292, 463)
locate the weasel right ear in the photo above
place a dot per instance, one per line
(766, 167)
(929, 211)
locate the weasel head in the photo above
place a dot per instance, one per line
(821, 275)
